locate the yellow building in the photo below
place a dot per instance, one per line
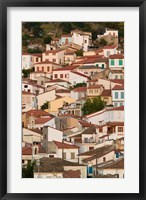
(58, 103)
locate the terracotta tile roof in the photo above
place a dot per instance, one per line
(99, 152)
(62, 91)
(106, 93)
(119, 81)
(80, 74)
(94, 86)
(109, 47)
(115, 123)
(72, 174)
(116, 164)
(85, 124)
(118, 87)
(117, 108)
(116, 56)
(80, 89)
(70, 67)
(57, 80)
(54, 165)
(36, 130)
(62, 145)
(26, 151)
(42, 120)
(47, 62)
(37, 113)
(90, 130)
(116, 71)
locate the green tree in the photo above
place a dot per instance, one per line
(45, 105)
(48, 39)
(93, 105)
(103, 42)
(34, 51)
(79, 52)
(27, 172)
(37, 31)
(26, 72)
(80, 85)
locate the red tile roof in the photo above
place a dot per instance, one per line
(117, 108)
(115, 123)
(57, 80)
(62, 91)
(47, 62)
(27, 151)
(66, 35)
(116, 56)
(118, 87)
(70, 67)
(42, 120)
(37, 113)
(80, 89)
(119, 81)
(106, 93)
(85, 124)
(72, 174)
(63, 145)
(94, 86)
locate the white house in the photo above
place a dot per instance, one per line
(116, 61)
(46, 97)
(27, 61)
(32, 88)
(106, 115)
(116, 74)
(31, 136)
(79, 93)
(84, 39)
(109, 50)
(28, 101)
(76, 77)
(109, 31)
(118, 95)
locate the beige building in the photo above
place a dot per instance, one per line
(28, 101)
(46, 66)
(58, 103)
(55, 56)
(94, 90)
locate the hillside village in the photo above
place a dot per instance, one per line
(73, 107)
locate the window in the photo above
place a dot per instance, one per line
(64, 155)
(28, 90)
(122, 95)
(115, 104)
(54, 60)
(85, 41)
(25, 86)
(48, 69)
(120, 62)
(120, 129)
(100, 130)
(61, 75)
(104, 159)
(23, 161)
(35, 151)
(66, 75)
(91, 148)
(90, 91)
(42, 82)
(116, 95)
(121, 104)
(121, 77)
(116, 76)
(72, 155)
(55, 76)
(42, 68)
(37, 60)
(112, 62)
(51, 156)
(54, 54)
(102, 66)
(96, 65)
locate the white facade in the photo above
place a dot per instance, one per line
(112, 32)
(116, 63)
(76, 78)
(118, 98)
(46, 97)
(109, 51)
(27, 61)
(116, 75)
(103, 116)
(30, 136)
(67, 154)
(119, 172)
(51, 134)
(27, 87)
